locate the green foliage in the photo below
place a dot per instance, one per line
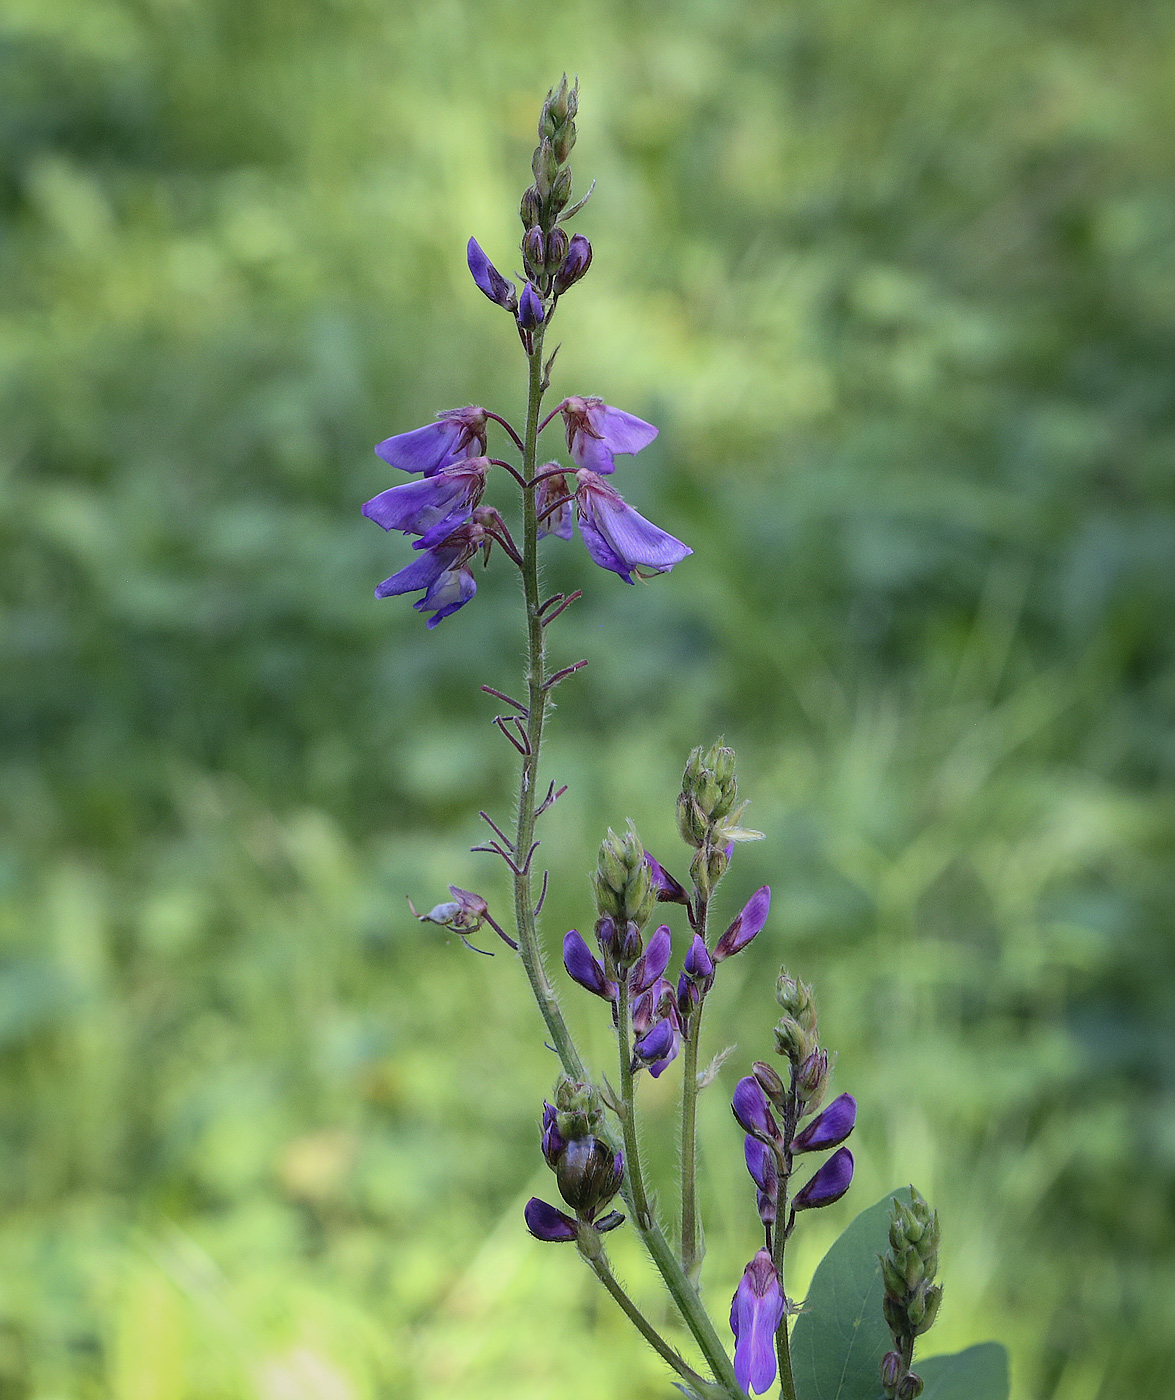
(896, 281)
(840, 1337)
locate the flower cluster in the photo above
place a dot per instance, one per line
(912, 1297)
(586, 1169)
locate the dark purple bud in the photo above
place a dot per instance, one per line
(770, 1083)
(584, 968)
(555, 249)
(630, 943)
(829, 1184)
(652, 962)
(609, 1221)
(533, 250)
(831, 1128)
(530, 211)
(755, 1313)
(489, 279)
(812, 1080)
(689, 998)
(763, 1168)
(589, 1174)
(746, 926)
(607, 938)
(750, 1109)
(530, 308)
(699, 964)
(666, 888)
(552, 1141)
(546, 1223)
(575, 264)
(891, 1371)
(910, 1386)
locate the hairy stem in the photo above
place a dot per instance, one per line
(787, 1385)
(691, 1224)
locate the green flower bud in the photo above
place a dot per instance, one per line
(796, 999)
(933, 1299)
(579, 1111)
(893, 1277)
(691, 822)
(530, 211)
(545, 168)
(910, 1387)
(623, 885)
(560, 189)
(792, 1040)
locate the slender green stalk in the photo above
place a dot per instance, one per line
(787, 1385)
(691, 1224)
(600, 1267)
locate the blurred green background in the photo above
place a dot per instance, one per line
(896, 279)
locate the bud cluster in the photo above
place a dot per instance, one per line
(553, 261)
(912, 1297)
(586, 1169)
(624, 889)
(796, 1039)
(708, 813)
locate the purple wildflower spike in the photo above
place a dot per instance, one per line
(546, 1223)
(585, 968)
(831, 1128)
(667, 889)
(489, 279)
(458, 433)
(746, 925)
(596, 432)
(552, 503)
(765, 1173)
(652, 962)
(750, 1108)
(575, 264)
(434, 506)
(530, 308)
(618, 537)
(829, 1184)
(755, 1312)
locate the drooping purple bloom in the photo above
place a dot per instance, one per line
(434, 506)
(764, 1172)
(457, 434)
(489, 279)
(667, 889)
(545, 1222)
(750, 1109)
(442, 573)
(618, 537)
(652, 962)
(585, 968)
(755, 1312)
(831, 1127)
(829, 1184)
(552, 503)
(596, 432)
(575, 264)
(530, 308)
(747, 924)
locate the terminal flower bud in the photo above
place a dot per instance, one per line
(624, 889)
(829, 1184)
(489, 279)
(755, 1313)
(575, 264)
(530, 308)
(831, 1128)
(746, 926)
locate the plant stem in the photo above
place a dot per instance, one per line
(691, 1225)
(787, 1385)
(600, 1267)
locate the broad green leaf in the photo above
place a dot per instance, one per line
(979, 1373)
(840, 1337)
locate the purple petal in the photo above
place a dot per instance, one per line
(746, 925)
(602, 552)
(631, 538)
(417, 506)
(760, 1163)
(750, 1109)
(652, 962)
(426, 449)
(667, 888)
(449, 593)
(829, 1184)
(755, 1313)
(421, 573)
(546, 1223)
(530, 308)
(831, 1127)
(583, 967)
(623, 432)
(575, 264)
(489, 279)
(657, 1043)
(698, 962)
(552, 1142)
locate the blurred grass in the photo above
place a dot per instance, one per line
(897, 283)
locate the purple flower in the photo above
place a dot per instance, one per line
(755, 1313)
(530, 308)
(764, 1172)
(699, 964)
(617, 536)
(660, 1046)
(442, 573)
(596, 432)
(552, 1142)
(829, 1184)
(585, 968)
(745, 926)
(652, 963)
(750, 1108)
(489, 279)
(546, 1223)
(650, 1006)
(552, 503)
(459, 433)
(688, 996)
(434, 506)
(575, 264)
(667, 889)
(831, 1128)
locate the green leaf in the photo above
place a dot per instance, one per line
(840, 1337)
(979, 1373)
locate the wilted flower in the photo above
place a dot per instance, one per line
(755, 1312)
(596, 431)
(457, 434)
(552, 503)
(618, 537)
(489, 279)
(463, 914)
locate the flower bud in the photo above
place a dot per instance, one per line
(560, 190)
(812, 1080)
(578, 1110)
(530, 308)
(533, 251)
(796, 999)
(770, 1083)
(891, 1371)
(545, 168)
(530, 211)
(564, 141)
(589, 1174)
(910, 1387)
(575, 264)
(623, 885)
(555, 250)
(793, 1041)
(933, 1299)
